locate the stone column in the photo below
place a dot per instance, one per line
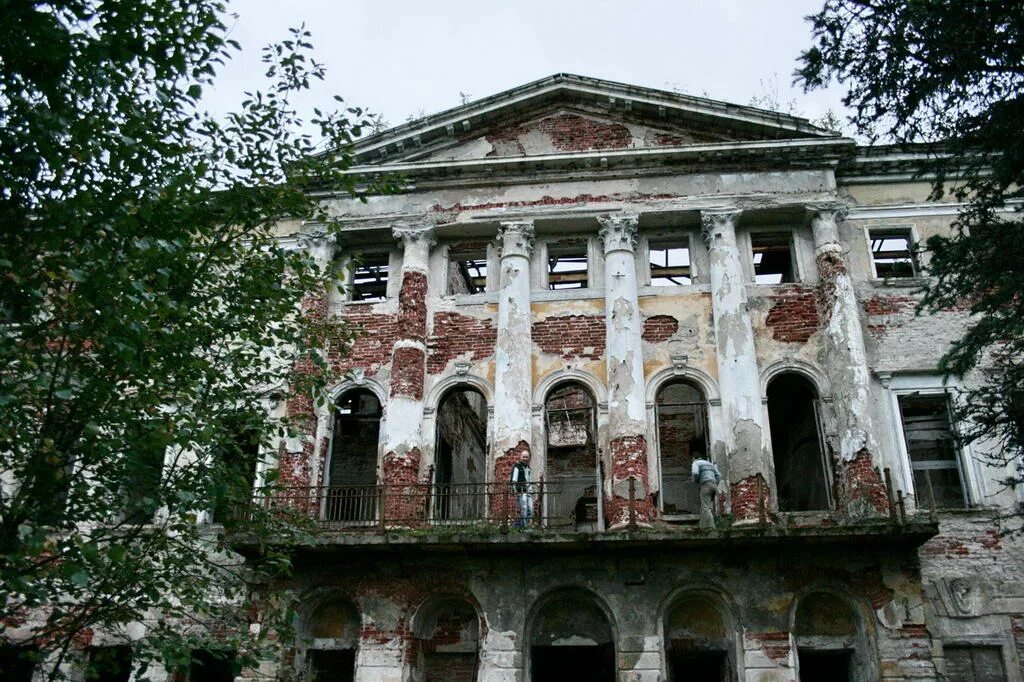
(747, 456)
(627, 409)
(402, 438)
(861, 491)
(513, 353)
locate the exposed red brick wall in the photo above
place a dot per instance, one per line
(830, 266)
(412, 306)
(376, 334)
(405, 501)
(407, 372)
(457, 335)
(961, 544)
(504, 506)
(551, 201)
(774, 645)
(860, 479)
(793, 317)
(570, 336)
(889, 305)
(629, 459)
(658, 328)
(568, 133)
(746, 505)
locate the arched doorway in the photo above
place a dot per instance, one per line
(802, 472)
(447, 640)
(682, 435)
(571, 466)
(332, 634)
(831, 640)
(571, 639)
(352, 470)
(460, 457)
(699, 644)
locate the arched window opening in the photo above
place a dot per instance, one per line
(682, 437)
(802, 471)
(571, 466)
(697, 642)
(447, 639)
(332, 634)
(460, 457)
(352, 473)
(571, 639)
(830, 640)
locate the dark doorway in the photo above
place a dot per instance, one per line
(561, 663)
(447, 631)
(333, 665)
(801, 471)
(682, 437)
(571, 463)
(697, 666)
(352, 474)
(824, 666)
(449, 667)
(461, 457)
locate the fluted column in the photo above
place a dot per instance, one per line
(513, 376)
(861, 491)
(627, 410)
(403, 437)
(748, 462)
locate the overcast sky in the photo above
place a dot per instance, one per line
(407, 58)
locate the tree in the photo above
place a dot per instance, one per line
(950, 74)
(148, 317)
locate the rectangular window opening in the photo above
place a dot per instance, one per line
(773, 257)
(670, 264)
(892, 252)
(467, 271)
(109, 664)
(370, 277)
(974, 663)
(567, 268)
(932, 451)
(212, 666)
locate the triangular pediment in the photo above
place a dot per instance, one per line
(571, 114)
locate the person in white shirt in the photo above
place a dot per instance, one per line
(519, 481)
(706, 476)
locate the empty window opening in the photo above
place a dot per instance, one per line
(571, 639)
(212, 666)
(697, 642)
(974, 663)
(831, 640)
(370, 277)
(332, 631)
(460, 462)
(670, 264)
(234, 469)
(447, 636)
(571, 464)
(802, 470)
(892, 252)
(567, 266)
(932, 450)
(773, 257)
(142, 469)
(467, 270)
(17, 663)
(682, 437)
(109, 664)
(351, 494)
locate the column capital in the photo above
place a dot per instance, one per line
(825, 218)
(836, 211)
(414, 233)
(515, 238)
(716, 219)
(619, 231)
(319, 242)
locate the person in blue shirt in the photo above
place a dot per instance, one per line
(706, 476)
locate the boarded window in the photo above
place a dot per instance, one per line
(370, 277)
(467, 270)
(670, 263)
(682, 436)
(109, 664)
(567, 266)
(773, 257)
(974, 664)
(932, 450)
(892, 252)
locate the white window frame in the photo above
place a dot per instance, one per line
(644, 258)
(915, 257)
(932, 385)
(544, 254)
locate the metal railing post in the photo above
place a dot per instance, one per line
(381, 500)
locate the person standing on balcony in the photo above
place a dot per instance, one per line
(706, 476)
(519, 481)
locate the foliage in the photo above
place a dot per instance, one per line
(951, 74)
(149, 316)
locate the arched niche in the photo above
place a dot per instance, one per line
(832, 639)
(330, 631)
(446, 633)
(460, 456)
(571, 637)
(570, 456)
(680, 410)
(351, 471)
(700, 639)
(803, 472)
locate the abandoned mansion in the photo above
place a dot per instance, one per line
(585, 286)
